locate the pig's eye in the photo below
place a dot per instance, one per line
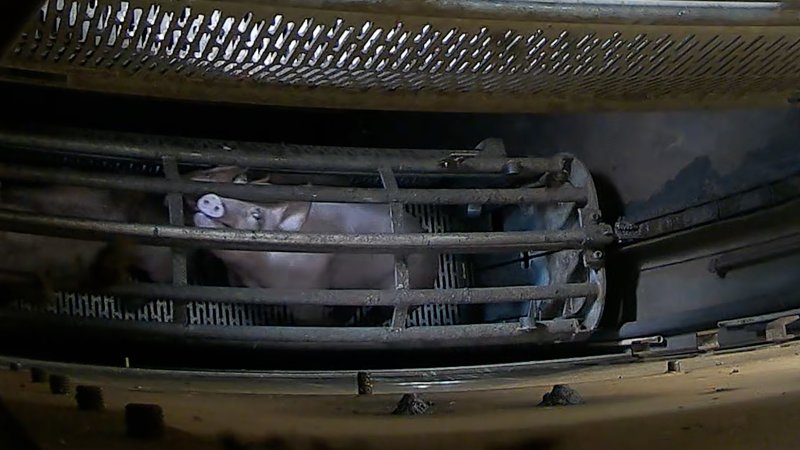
(257, 214)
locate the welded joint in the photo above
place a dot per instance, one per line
(627, 231)
(555, 326)
(598, 235)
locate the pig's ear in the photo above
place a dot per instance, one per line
(294, 216)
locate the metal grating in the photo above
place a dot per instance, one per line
(101, 307)
(376, 54)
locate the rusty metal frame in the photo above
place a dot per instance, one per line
(592, 235)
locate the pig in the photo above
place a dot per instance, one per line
(75, 264)
(311, 270)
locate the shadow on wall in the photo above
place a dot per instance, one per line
(666, 161)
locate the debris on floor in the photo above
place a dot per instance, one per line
(411, 405)
(561, 395)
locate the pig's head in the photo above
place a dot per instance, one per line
(214, 211)
(222, 174)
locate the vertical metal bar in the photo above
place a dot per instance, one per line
(179, 267)
(401, 278)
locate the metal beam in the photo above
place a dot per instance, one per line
(168, 235)
(271, 193)
(352, 297)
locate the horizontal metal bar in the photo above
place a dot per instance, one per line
(339, 338)
(267, 193)
(673, 12)
(280, 156)
(332, 382)
(353, 297)
(755, 254)
(745, 321)
(168, 235)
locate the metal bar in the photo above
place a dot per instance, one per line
(762, 197)
(745, 321)
(271, 193)
(167, 235)
(339, 338)
(330, 382)
(673, 12)
(755, 254)
(401, 277)
(353, 297)
(281, 156)
(179, 265)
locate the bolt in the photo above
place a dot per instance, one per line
(595, 216)
(512, 168)
(38, 375)
(59, 384)
(673, 366)
(364, 383)
(15, 367)
(597, 254)
(89, 398)
(144, 421)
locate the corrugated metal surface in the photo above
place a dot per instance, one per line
(354, 54)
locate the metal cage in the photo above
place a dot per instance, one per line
(420, 318)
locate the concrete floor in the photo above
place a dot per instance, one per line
(742, 400)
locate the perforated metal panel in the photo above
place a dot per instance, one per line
(273, 54)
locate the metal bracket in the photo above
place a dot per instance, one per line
(593, 258)
(707, 340)
(776, 330)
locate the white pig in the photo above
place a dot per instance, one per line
(311, 270)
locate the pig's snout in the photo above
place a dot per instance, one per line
(211, 205)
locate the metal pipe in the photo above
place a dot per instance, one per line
(271, 193)
(168, 235)
(282, 156)
(327, 382)
(755, 254)
(353, 297)
(318, 338)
